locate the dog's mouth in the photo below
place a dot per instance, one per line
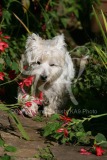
(42, 82)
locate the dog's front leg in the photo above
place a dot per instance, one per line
(48, 111)
(52, 107)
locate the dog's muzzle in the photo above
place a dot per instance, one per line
(43, 77)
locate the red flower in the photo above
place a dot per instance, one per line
(65, 118)
(28, 104)
(84, 152)
(99, 150)
(2, 76)
(6, 37)
(39, 100)
(96, 149)
(3, 46)
(12, 74)
(27, 82)
(63, 130)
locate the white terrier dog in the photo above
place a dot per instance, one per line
(51, 65)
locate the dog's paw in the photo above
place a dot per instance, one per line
(30, 111)
(48, 112)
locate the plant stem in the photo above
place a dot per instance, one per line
(11, 80)
(88, 119)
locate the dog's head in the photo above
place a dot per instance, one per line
(45, 58)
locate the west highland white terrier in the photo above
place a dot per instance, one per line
(51, 70)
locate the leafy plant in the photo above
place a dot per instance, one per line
(45, 153)
(47, 18)
(100, 140)
(38, 118)
(6, 157)
(101, 52)
(7, 148)
(70, 130)
(14, 117)
(9, 72)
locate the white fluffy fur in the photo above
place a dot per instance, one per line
(49, 58)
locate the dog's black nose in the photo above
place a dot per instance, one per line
(43, 77)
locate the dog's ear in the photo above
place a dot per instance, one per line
(33, 38)
(59, 41)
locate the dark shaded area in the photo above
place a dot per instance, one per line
(97, 126)
(82, 36)
(8, 93)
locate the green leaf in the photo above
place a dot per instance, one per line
(10, 149)
(64, 22)
(12, 53)
(102, 55)
(6, 16)
(75, 120)
(15, 66)
(1, 67)
(97, 81)
(100, 137)
(54, 14)
(5, 157)
(104, 19)
(81, 85)
(64, 140)
(76, 13)
(89, 133)
(1, 142)
(57, 136)
(3, 107)
(51, 128)
(80, 134)
(19, 125)
(54, 117)
(8, 61)
(101, 140)
(100, 26)
(71, 135)
(52, 3)
(38, 118)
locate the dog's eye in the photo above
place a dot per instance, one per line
(38, 62)
(52, 64)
